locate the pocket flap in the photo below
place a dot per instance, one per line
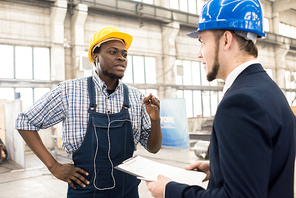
(103, 123)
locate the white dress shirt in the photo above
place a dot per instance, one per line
(234, 74)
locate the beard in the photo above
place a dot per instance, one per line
(113, 76)
(213, 73)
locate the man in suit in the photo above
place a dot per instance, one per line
(252, 148)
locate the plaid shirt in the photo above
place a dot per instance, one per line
(69, 102)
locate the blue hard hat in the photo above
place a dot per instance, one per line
(238, 15)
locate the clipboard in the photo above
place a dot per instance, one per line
(148, 170)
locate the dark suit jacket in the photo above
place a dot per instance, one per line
(252, 149)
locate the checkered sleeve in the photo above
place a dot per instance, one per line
(145, 127)
(46, 112)
(145, 124)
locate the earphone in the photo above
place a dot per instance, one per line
(96, 61)
(109, 148)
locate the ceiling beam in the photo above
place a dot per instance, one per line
(283, 5)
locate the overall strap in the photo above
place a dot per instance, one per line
(91, 94)
(126, 98)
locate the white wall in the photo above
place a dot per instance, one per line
(24, 24)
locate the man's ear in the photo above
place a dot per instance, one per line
(227, 39)
(95, 58)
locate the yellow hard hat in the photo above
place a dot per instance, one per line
(106, 33)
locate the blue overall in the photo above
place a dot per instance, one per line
(108, 142)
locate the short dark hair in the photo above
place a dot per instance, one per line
(245, 45)
(97, 50)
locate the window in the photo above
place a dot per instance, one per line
(174, 4)
(269, 72)
(146, 92)
(20, 62)
(200, 103)
(145, 1)
(200, 4)
(7, 93)
(183, 6)
(39, 92)
(187, 69)
(290, 79)
(140, 70)
(195, 69)
(23, 62)
(150, 70)
(7, 61)
(291, 98)
(41, 63)
(197, 104)
(206, 101)
(266, 24)
(26, 96)
(287, 30)
(189, 101)
(293, 32)
(191, 73)
(191, 6)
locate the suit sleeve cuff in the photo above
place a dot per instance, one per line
(174, 189)
(177, 190)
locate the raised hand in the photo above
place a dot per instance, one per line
(152, 107)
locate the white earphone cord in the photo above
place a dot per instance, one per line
(109, 148)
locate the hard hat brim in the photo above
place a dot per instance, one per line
(193, 34)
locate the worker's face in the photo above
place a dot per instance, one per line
(112, 60)
(209, 53)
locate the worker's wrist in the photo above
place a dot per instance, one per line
(155, 120)
(51, 165)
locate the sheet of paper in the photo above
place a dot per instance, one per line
(147, 169)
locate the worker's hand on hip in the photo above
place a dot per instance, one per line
(69, 173)
(152, 107)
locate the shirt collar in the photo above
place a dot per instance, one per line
(101, 84)
(234, 74)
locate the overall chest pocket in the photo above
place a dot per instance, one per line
(116, 137)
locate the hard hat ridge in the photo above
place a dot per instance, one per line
(237, 15)
(105, 34)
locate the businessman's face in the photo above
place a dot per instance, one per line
(112, 60)
(209, 54)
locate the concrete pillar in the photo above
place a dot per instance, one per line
(280, 62)
(77, 31)
(169, 35)
(57, 17)
(276, 23)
